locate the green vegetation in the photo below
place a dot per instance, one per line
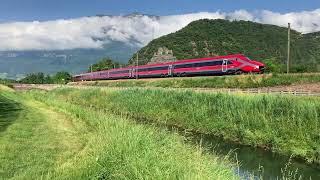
(9, 112)
(61, 78)
(6, 82)
(244, 81)
(285, 124)
(40, 78)
(58, 139)
(266, 43)
(105, 64)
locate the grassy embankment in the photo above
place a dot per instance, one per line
(6, 83)
(285, 124)
(61, 140)
(243, 81)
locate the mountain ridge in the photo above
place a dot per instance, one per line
(263, 42)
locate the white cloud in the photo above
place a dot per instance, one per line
(3, 75)
(93, 32)
(305, 21)
(241, 15)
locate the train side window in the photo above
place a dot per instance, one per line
(184, 66)
(159, 68)
(143, 70)
(210, 63)
(119, 72)
(154, 68)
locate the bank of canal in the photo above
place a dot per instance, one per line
(256, 161)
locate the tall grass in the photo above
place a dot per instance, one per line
(244, 81)
(285, 124)
(9, 110)
(8, 83)
(68, 141)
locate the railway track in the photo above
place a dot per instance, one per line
(262, 91)
(271, 90)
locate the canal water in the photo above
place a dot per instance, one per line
(256, 162)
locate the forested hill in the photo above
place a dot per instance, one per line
(267, 43)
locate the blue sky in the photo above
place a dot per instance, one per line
(27, 10)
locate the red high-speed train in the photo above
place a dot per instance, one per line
(219, 65)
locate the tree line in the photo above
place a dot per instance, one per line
(105, 64)
(41, 78)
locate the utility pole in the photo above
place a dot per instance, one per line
(137, 65)
(91, 70)
(288, 58)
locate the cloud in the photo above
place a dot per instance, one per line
(93, 32)
(305, 21)
(3, 75)
(241, 15)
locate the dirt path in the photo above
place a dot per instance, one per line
(46, 87)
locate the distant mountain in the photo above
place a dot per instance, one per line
(15, 64)
(262, 42)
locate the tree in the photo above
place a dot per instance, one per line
(272, 66)
(105, 64)
(40, 78)
(34, 78)
(7, 82)
(61, 77)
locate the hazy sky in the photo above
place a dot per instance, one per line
(28, 10)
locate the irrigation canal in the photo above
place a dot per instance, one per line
(256, 161)
(253, 162)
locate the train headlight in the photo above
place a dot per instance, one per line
(257, 67)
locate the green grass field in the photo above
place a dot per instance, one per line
(243, 81)
(58, 139)
(285, 124)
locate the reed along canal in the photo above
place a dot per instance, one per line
(256, 161)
